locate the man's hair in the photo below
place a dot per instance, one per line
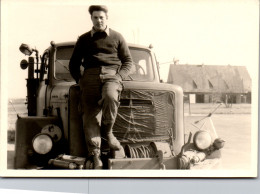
(93, 8)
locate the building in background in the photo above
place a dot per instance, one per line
(212, 83)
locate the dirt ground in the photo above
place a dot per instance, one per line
(232, 124)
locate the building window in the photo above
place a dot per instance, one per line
(210, 85)
(194, 85)
(226, 84)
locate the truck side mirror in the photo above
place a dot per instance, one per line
(24, 64)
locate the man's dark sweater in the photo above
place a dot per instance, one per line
(100, 50)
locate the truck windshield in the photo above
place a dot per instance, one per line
(142, 69)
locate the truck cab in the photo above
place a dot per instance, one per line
(149, 124)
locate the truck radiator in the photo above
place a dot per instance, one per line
(145, 116)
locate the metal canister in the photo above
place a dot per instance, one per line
(62, 164)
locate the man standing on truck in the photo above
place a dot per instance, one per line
(106, 59)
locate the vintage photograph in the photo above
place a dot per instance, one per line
(129, 88)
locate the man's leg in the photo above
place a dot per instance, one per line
(90, 94)
(110, 104)
(91, 125)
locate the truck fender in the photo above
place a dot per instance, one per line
(26, 129)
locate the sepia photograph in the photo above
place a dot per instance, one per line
(129, 88)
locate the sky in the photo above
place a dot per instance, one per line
(194, 32)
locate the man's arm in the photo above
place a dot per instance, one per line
(76, 60)
(125, 57)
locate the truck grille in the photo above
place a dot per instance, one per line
(145, 116)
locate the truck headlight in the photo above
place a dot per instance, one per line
(42, 143)
(202, 140)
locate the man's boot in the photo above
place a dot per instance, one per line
(112, 141)
(97, 161)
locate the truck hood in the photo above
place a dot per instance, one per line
(61, 90)
(151, 86)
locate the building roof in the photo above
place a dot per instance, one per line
(210, 78)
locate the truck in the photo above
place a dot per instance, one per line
(149, 123)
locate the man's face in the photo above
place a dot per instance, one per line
(99, 20)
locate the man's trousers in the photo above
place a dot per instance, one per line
(100, 91)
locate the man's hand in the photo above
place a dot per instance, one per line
(119, 77)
